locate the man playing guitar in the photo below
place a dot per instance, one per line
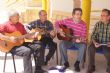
(11, 27)
(78, 27)
(46, 39)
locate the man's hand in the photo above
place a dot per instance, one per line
(81, 39)
(12, 39)
(53, 34)
(34, 35)
(78, 40)
(96, 44)
(108, 44)
(60, 31)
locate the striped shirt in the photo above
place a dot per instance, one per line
(101, 32)
(79, 29)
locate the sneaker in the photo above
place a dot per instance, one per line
(76, 65)
(66, 65)
(91, 70)
(63, 69)
(39, 71)
(107, 70)
(46, 63)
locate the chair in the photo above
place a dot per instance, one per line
(13, 62)
(84, 58)
(100, 51)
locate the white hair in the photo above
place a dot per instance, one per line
(12, 13)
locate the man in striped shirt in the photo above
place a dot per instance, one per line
(79, 30)
(100, 38)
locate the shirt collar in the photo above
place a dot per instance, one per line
(75, 21)
(9, 22)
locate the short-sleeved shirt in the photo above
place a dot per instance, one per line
(38, 24)
(8, 27)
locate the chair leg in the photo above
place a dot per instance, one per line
(5, 62)
(57, 56)
(14, 63)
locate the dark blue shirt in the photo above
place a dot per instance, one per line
(38, 24)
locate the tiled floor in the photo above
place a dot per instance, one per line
(100, 64)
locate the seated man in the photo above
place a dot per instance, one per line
(78, 30)
(100, 38)
(47, 36)
(10, 27)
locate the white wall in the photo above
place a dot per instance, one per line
(62, 5)
(100, 4)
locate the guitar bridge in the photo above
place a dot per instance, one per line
(6, 44)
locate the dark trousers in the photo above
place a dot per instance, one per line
(38, 52)
(52, 46)
(91, 56)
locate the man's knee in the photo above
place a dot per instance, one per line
(27, 52)
(82, 46)
(54, 46)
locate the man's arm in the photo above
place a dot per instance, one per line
(83, 32)
(58, 23)
(4, 37)
(31, 25)
(94, 33)
(2, 30)
(51, 30)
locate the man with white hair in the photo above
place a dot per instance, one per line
(12, 26)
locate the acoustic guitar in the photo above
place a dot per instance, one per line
(68, 32)
(7, 45)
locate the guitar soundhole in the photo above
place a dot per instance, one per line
(6, 44)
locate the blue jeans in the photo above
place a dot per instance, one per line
(64, 45)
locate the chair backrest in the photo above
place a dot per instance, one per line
(100, 51)
(73, 48)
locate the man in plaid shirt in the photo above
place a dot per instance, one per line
(100, 38)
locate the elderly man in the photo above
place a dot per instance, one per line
(11, 26)
(100, 38)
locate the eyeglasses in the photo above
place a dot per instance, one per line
(104, 15)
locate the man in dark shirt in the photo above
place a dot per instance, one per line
(47, 38)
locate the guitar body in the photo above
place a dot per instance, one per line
(6, 46)
(67, 31)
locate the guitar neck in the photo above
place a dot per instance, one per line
(24, 36)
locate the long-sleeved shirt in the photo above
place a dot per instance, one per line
(79, 29)
(101, 33)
